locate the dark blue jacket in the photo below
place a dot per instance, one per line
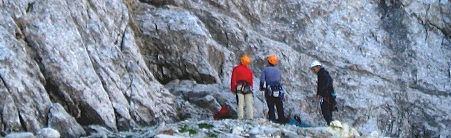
(325, 83)
(270, 74)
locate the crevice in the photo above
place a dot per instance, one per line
(22, 121)
(443, 31)
(425, 26)
(158, 3)
(227, 39)
(118, 125)
(130, 86)
(449, 71)
(364, 72)
(29, 7)
(4, 83)
(156, 28)
(433, 92)
(122, 46)
(3, 123)
(447, 33)
(56, 95)
(99, 76)
(89, 116)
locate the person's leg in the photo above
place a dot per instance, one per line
(331, 110)
(270, 103)
(327, 113)
(280, 112)
(249, 106)
(236, 96)
(240, 105)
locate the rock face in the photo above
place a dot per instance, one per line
(63, 122)
(82, 55)
(126, 64)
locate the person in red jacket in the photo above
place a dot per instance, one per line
(241, 84)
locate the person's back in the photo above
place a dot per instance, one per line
(241, 72)
(325, 83)
(270, 74)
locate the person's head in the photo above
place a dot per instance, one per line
(272, 60)
(245, 60)
(315, 66)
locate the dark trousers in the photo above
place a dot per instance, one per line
(271, 101)
(326, 109)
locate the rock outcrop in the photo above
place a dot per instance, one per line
(127, 64)
(82, 55)
(260, 128)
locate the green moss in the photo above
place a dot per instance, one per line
(192, 131)
(29, 7)
(185, 128)
(205, 125)
(211, 135)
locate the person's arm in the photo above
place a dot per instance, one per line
(262, 79)
(318, 85)
(233, 81)
(252, 79)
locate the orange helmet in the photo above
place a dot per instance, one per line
(245, 60)
(272, 59)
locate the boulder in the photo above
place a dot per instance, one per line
(48, 133)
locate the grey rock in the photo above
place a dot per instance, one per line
(98, 131)
(227, 128)
(104, 61)
(20, 135)
(23, 96)
(382, 54)
(202, 100)
(188, 53)
(48, 133)
(64, 123)
(82, 55)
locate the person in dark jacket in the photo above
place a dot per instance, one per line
(272, 76)
(325, 91)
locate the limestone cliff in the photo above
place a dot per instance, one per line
(122, 64)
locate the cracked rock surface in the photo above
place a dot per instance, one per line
(118, 65)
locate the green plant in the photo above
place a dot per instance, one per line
(212, 135)
(29, 7)
(205, 125)
(185, 128)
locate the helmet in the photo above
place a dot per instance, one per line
(315, 63)
(245, 60)
(272, 59)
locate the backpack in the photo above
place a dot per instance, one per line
(222, 114)
(243, 87)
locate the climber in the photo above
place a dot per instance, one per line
(274, 92)
(325, 91)
(241, 85)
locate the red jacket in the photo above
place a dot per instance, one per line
(241, 72)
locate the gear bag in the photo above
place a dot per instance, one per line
(243, 87)
(275, 90)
